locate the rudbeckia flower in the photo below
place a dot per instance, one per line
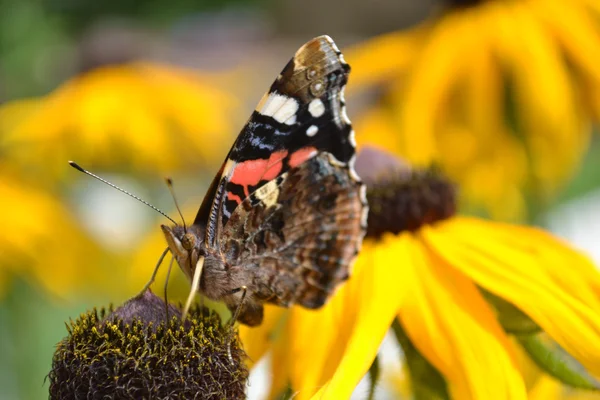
(501, 93)
(41, 242)
(458, 292)
(127, 113)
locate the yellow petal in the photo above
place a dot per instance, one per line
(451, 324)
(128, 113)
(339, 342)
(575, 30)
(427, 90)
(280, 361)
(551, 283)
(41, 241)
(375, 128)
(383, 58)
(547, 105)
(258, 340)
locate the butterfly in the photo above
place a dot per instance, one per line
(286, 214)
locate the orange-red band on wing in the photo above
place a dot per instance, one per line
(299, 156)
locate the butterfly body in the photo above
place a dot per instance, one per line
(286, 214)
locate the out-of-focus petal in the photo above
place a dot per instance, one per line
(526, 271)
(128, 113)
(546, 101)
(40, 239)
(384, 57)
(451, 324)
(547, 388)
(430, 83)
(258, 340)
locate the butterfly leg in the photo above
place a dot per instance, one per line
(195, 286)
(153, 277)
(234, 317)
(236, 314)
(165, 288)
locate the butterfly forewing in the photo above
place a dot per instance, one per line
(302, 114)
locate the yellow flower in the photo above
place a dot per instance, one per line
(447, 281)
(501, 93)
(41, 241)
(121, 114)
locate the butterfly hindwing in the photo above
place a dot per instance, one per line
(298, 234)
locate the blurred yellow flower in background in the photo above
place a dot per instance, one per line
(501, 93)
(129, 113)
(41, 240)
(446, 281)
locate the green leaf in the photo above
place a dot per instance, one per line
(374, 374)
(510, 317)
(427, 383)
(554, 360)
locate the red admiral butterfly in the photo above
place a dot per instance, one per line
(286, 214)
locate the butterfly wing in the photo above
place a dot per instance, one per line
(298, 235)
(302, 115)
(287, 204)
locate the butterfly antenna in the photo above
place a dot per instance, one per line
(78, 167)
(170, 186)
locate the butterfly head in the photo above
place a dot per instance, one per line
(185, 245)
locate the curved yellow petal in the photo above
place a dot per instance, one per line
(376, 128)
(421, 98)
(548, 111)
(41, 241)
(384, 57)
(548, 388)
(339, 342)
(551, 283)
(258, 340)
(451, 324)
(128, 113)
(280, 363)
(575, 30)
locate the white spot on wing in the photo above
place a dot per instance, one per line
(363, 194)
(352, 138)
(364, 216)
(352, 171)
(282, 108)
(345, 116)
(334, 161)
(316, 108)
(268, 193)
(291, 120)
(312, 130)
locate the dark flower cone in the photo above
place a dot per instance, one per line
(400, 198)
(134, 352)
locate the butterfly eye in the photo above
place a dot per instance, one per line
(188, 241)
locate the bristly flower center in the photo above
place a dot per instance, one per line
(401, 199)
(400, 203)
